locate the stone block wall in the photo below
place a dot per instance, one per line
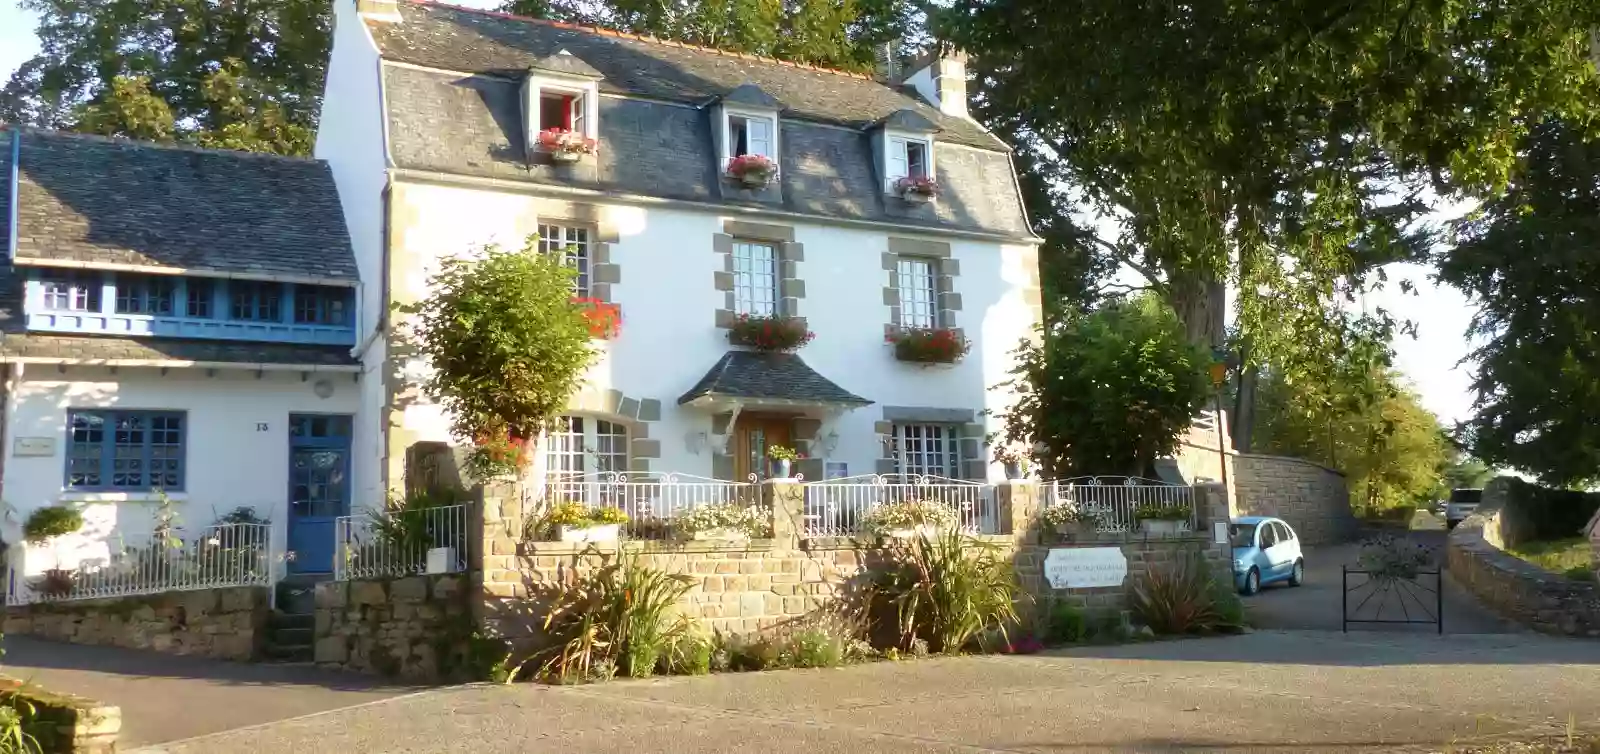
(1313, 498)
(1544, 601)
(222, 624)
(416, 627)
(63, 723)
(1143, 555)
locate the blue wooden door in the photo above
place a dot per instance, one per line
(319, 487)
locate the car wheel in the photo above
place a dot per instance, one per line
(1298, 575)
(1252, 582)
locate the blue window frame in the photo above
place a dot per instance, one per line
(198, 293)
(315, 305)
(72, 291)
(143, 294)
(259, 302)
(125, 450)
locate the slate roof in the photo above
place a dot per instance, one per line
(16, 342)
(96, 201)
(769, 376)
(651, 143)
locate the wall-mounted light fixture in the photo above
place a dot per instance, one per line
(695, 442)
(830, 442)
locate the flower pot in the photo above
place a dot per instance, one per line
(563, 156)
(719, 535)
(1013, 469)
(753, 180)
(600, 533)
(780, 468)
(912, 532)
(915, 197)
(1162, 526)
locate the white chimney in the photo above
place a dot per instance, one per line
(379, 10)
(942, 81)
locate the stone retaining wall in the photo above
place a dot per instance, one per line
(1142, 553)
(417, 627)
(222, 624)
(1313, 498)
(1544, 601)
(63, 723)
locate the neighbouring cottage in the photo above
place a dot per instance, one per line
(689, 187)
(173, 321)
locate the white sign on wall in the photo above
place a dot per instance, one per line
(1079, 567)
(34, 446)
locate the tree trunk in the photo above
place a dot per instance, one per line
(1201, 303)
(1244, 410)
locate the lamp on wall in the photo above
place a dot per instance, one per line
(695, 442)
(830, 441)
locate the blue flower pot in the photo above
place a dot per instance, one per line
(779, 468)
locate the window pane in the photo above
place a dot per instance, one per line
(256, 301)
(86, 441)
(916, 159)
(574, 243)
(125, 450)
(70, 291)
(927, 449)
(199, 299)
(738, 136)
(138, 294)
(759, 137)
(898, 161)
(555, 111)
(755, 279)
(611, 446)
(564, 448)
(918, 299)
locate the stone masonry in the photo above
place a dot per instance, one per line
(63, 723)
(222, 624)
(417, 627)
(1544, 601)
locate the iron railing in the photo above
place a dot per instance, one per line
(651, 500)
(225, 555)
(400, 543)
(1115, 501)
(839, 507)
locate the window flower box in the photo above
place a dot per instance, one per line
(566, 146)
(575, 523)
(589, 533)
(916, 189)
(725, 522)
(752, 171)
(1164, 520)
(773, 334)
(907, 519)
(933, 345)
(605, 319)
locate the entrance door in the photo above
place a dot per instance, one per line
(752, 435)
(319, 488)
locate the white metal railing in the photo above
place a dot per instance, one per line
(218, 556)
(1115, 500)
(838, 507)
(651, 500)
(390, 543)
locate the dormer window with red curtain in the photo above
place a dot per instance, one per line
(561, 111)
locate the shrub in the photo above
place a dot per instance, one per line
(688, 653)
(775, 333)
(412, 523)
(908, 514)
(1179, 599)
(1387, 557)
(243, 514)
(578, 516)
(1067, 624)
(1162, 512)
(617, 617)
(1063, 514)
(949, 589)
(53, 521)
(17, 715)
(816, 647)
(754, 521)
(56, 582)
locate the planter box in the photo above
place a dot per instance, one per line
(719, 535)
(915, 197)
(1161, 526)
(564, 157)
(602, 533)
(912, 532)
(1077, 529)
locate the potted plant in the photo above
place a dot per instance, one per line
(772, 333)
(781, 461)
(929, 345)
(1068, 518)
(576, 523)
(566, 146)
(725, 521)
(1013, 460)
(604, 318)
(1155, 518)
(48, 523)
(753, 171)
(916, 189)
(909, 518)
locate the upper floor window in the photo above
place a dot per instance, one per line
(751, 134)
(755, 278)
(927, 449)
(319, 306)
(574, 244)
(72, 291)
(909, 158)
(918, 295)
(143, 294)
(125, 450)
(561, 110)
(256, 301)
(198, 298)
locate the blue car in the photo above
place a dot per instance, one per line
(1265, 551)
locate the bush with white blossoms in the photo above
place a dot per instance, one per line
(754, 521)
(1064, 514)
(908, 514)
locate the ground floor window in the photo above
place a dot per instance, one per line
(927, 449)
(125, 450)
(586, 445)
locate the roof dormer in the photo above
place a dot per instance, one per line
(903, 148)
(561, 108)
(745, 130)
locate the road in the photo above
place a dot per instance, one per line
(1267, 691)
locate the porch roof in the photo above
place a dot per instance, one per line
(750, 376)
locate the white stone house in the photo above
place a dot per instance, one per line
(430, 122)
(172, 320)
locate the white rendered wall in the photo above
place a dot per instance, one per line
(668, 300)
(229, 461)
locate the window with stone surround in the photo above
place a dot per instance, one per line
(919, 296)
(755, 278)
(573, 242)
(585, 445)
(927, 449)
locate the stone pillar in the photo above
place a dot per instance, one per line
(1018, 505)
(1211, 505)
(787, 499)
(495, 527)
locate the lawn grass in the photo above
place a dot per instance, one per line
(1571, 556)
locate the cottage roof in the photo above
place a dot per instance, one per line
(777, 377)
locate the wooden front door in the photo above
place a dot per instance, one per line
(752, 434)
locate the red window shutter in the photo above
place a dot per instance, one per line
(566, 111)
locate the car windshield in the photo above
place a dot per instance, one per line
(1242, 535)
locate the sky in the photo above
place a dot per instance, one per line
(1441, 313)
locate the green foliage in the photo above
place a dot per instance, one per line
(812, 646)
(243, 514)
(231, 75)
(948, 590)
(816, 647)
(1528, 263)
(411, 523)
(16, 713)
(1108, 392)
(1181, 598)
(1572, 557)
(506, 343)
(782, 453)
(577, 515)
(51, 521)
(619, 617)
(1466, 472)
(1067, 624)
(688, 653)
(1162, 512)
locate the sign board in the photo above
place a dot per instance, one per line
(34, 446)
(1219, 532)
(1080, 567)
(835, 470)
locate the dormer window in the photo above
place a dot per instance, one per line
(750, 135)
(562, 111)
(560, 107)
(909, 158)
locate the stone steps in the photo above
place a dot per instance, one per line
(291, 629)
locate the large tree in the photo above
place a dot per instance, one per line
(1531, 263)
(1277, 147)
(243, 75)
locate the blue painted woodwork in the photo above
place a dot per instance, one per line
(319, 487)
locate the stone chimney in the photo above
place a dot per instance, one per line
(379, 10)
(941, 79)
